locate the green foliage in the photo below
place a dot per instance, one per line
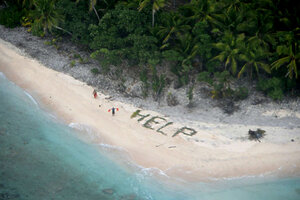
(158, 82)
(95, 71)
(37, 29)
(273, 87)
(123, 35)
(11, 17)
(73, 63)
(240, 94)
(156, 5)
(46, 16)
(204, 39)
(243, 37)
(190, 94)
(53, 42)
(134, 114)
(253, 58)
(290, 57)
(221, 86)
(205, 77)
(144, 79)
(77, 20)
(173, 25)
(229, 50)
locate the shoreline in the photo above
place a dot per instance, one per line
(189, 158)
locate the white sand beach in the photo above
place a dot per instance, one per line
(212, 152)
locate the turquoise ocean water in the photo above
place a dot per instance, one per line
(41, 158)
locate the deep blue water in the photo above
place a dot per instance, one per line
(41, 158)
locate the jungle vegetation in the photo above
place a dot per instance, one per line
(205, 40)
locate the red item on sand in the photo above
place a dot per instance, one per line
(110, 109)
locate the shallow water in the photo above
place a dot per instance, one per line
(41, 158)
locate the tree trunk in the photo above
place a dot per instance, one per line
(96, 13)
(59, 28)
(153, 13)
(45, 30)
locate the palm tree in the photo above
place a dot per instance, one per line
(234, 5)
(174, 25)
(204, 10)
(92, 7)
(229, 50)
(253, 58)
(46, 16)
(156, 5)
(187, 47)
(261, 34)
(130, 4)
(290, 59)
(26, 3)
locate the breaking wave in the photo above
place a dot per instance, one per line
(31, 98)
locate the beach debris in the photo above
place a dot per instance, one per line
(159, 145)
(256, 135)
(170, 147)
(108, 98)
(292, 140)
(109, 191)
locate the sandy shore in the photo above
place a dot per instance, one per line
(205, 155)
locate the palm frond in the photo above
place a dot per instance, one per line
(278, 63)
(242, 70)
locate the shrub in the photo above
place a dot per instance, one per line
(95, 71)
(205, 77)
(144, 79)
(11, 17)
(221, 85)
(37, 29)
(190, 94)
(123, 34)
(77, 19)
(241, 93)
(72, 64)
(272, 87)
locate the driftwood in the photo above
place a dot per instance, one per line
(256, 135)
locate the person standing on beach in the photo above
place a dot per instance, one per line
(113, 110)
(95, 94)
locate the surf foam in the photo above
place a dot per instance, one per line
(31, 98)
